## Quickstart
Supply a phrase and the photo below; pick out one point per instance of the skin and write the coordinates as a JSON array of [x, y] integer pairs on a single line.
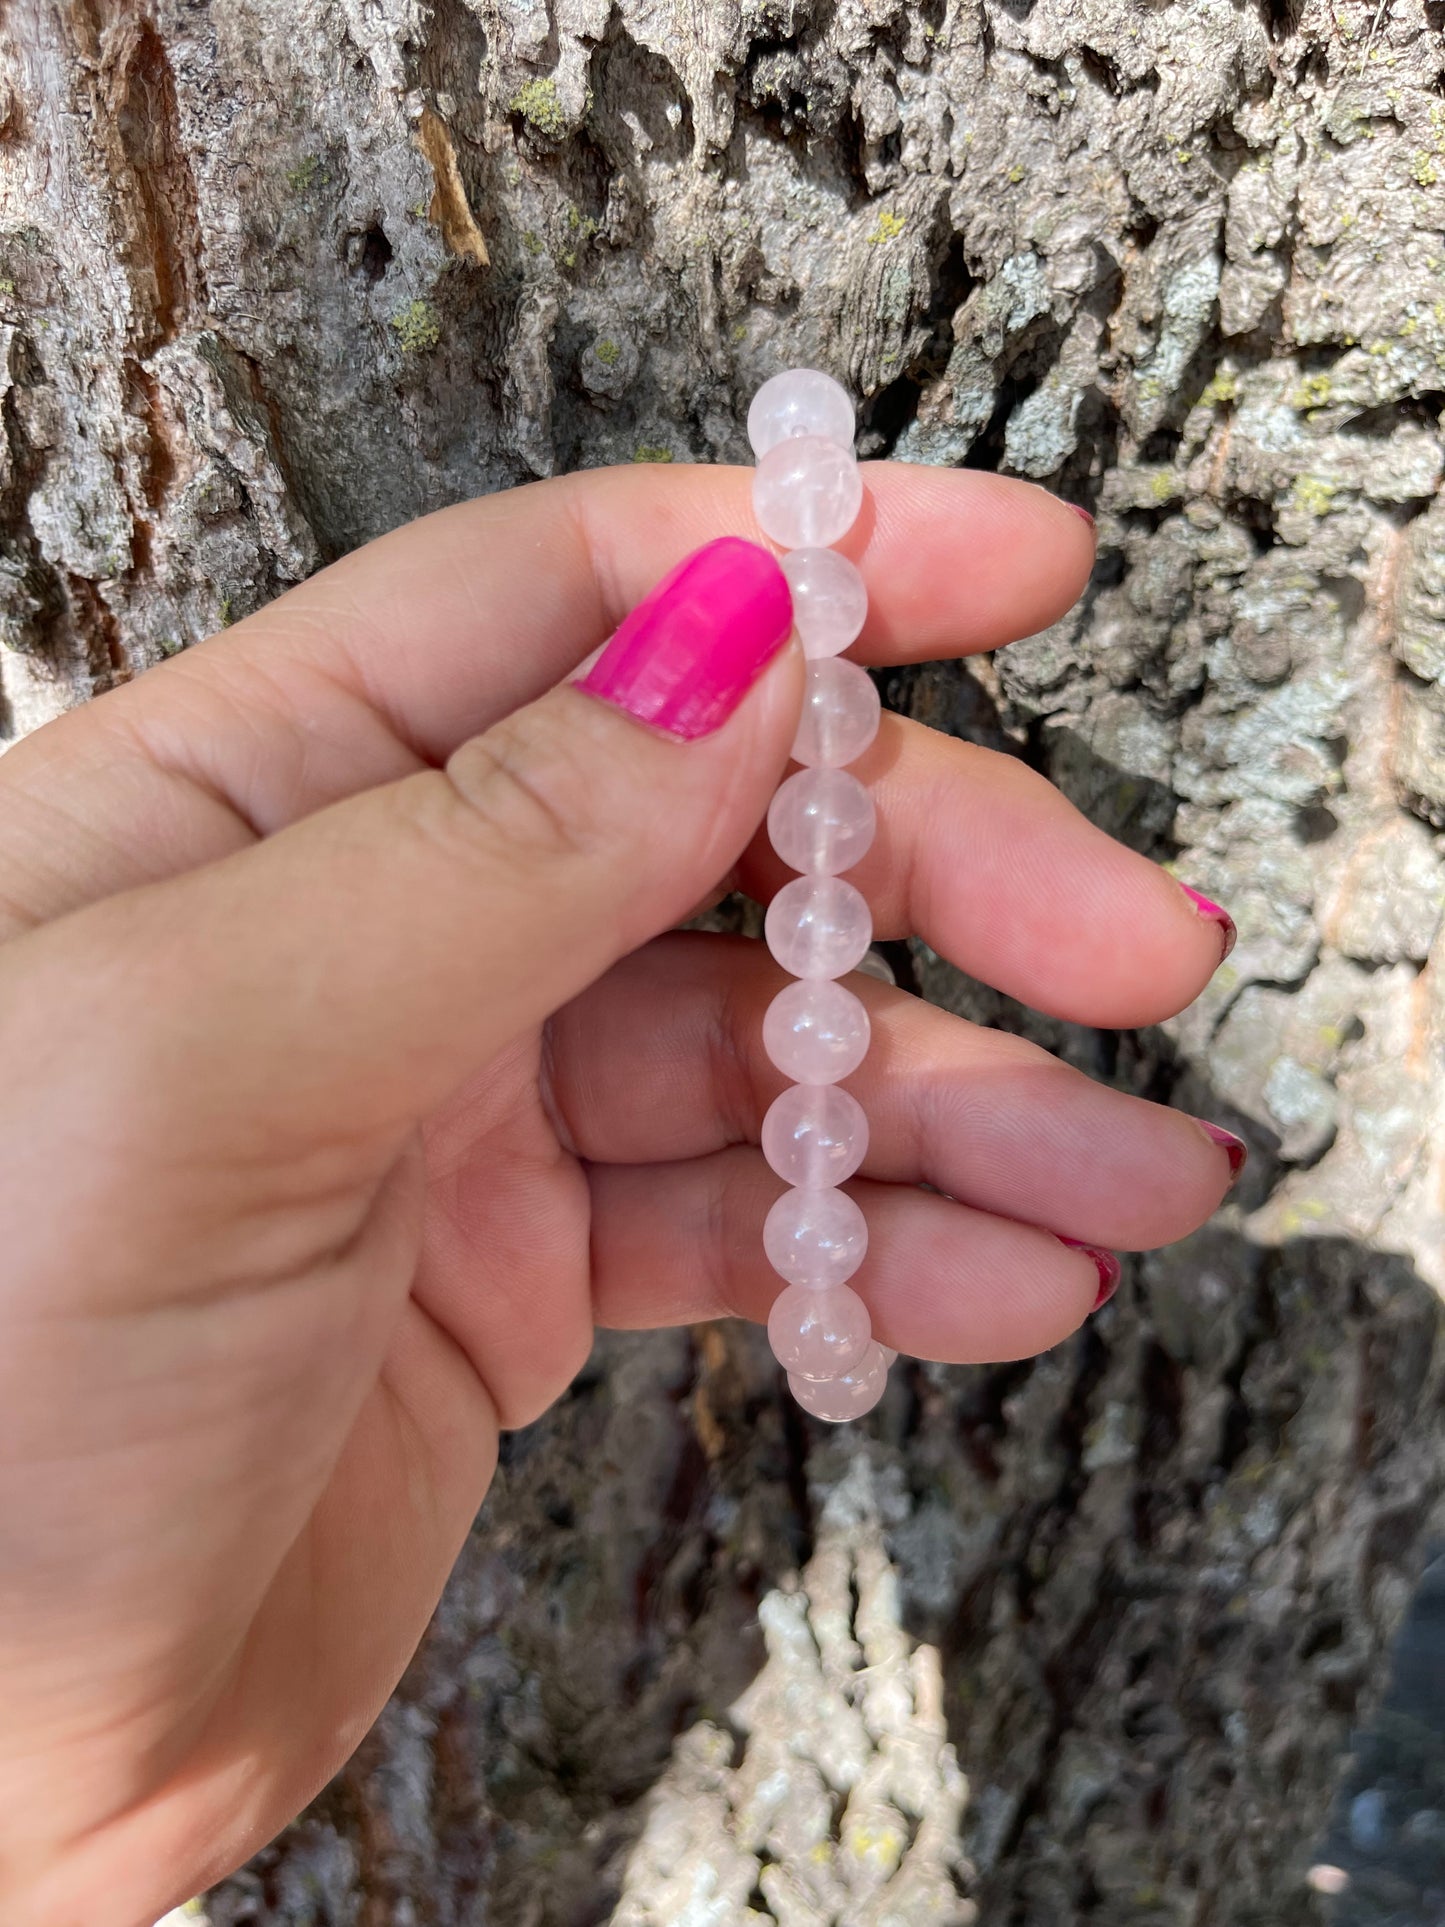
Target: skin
[[353, 1070]]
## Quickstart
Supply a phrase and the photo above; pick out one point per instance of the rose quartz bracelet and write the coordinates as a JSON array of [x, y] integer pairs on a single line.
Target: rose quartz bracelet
[[806, 495]]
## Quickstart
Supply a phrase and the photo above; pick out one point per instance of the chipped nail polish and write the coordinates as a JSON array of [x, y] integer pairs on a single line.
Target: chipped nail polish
[[1105, 1263], [1212, 913], [1234, 1147]]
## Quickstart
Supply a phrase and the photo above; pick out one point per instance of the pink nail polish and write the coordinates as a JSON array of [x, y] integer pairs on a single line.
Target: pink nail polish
[[1234, 1147], [687, 655], [1212, 913], [1105, 1263], [1082, 513]]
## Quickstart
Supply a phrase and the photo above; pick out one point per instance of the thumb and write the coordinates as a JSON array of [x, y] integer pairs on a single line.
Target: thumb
[[348, 972]]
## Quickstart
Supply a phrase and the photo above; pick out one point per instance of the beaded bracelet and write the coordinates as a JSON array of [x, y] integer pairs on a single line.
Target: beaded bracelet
[[806, 495]]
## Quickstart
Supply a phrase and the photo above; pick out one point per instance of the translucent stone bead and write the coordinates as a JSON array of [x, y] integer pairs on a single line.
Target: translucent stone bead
[[843, 1398], [818, 927], [830, 600], [819, 1333], [840, 716], [815, 1237], [822, 821], [800, 401], [815, 1032], [807, 492], [815, 1134]]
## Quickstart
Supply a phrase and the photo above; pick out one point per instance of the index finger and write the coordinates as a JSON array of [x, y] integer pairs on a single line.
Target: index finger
[[459, 618], [388, 660]]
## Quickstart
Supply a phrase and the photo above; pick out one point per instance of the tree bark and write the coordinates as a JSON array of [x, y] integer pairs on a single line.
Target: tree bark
[[276, 276]]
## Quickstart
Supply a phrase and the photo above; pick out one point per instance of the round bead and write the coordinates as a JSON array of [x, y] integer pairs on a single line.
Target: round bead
[[830, 600], [840, 716], [818, 927], [815, 1032], [822, 821], [819, 1333], [815, 1134], [815, 1237], [807, 492], [799, 401], [843, 1398]]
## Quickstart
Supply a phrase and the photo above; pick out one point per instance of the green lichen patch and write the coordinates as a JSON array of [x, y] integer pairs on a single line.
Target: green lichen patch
[[651, 452], [536, 101], [309, 173], [417, 327], [608, 353], [1222, 386], [1313, 392], [890, 226], [1314, 494]]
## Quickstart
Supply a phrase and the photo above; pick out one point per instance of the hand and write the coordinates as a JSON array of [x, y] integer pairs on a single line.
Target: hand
[[346, 1081]]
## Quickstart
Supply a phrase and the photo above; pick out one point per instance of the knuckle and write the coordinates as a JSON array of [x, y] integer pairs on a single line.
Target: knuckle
[[529, 787]]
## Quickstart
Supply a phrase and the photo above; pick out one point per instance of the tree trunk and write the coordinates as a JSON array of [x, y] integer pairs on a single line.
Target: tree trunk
[[276, 275]]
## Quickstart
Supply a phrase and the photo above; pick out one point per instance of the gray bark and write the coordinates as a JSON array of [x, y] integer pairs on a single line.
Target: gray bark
[[275, 277]]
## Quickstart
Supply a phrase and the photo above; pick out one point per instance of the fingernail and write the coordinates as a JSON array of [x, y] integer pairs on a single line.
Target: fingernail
[[1105, 1263], [1082, 513], [1212, 913], [686, 656], [1235, 1147]]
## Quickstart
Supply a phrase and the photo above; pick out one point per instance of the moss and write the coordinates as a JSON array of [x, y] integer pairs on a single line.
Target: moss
[[1313, 494], [651, 452], [533, 242], [417, 327], [608, 353], [536, 101], [224, 617], [889, 227]]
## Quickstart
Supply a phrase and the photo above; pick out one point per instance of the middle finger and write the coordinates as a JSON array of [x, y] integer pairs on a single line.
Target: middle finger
[[663, 1060]]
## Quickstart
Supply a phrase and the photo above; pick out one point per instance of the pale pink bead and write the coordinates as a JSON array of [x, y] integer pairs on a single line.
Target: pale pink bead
[[843, 1398], [800, 401], [816, 1032], [819, 1332], [815, 1237], [815, 1134], [818, 927], [807, 492], [830, 600], [822, 821], [840, 714]]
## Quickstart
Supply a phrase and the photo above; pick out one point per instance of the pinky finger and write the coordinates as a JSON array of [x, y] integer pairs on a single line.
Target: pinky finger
[[676, 1243]]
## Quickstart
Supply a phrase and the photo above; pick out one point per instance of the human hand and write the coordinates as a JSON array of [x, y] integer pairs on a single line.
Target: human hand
[[347, 1080]]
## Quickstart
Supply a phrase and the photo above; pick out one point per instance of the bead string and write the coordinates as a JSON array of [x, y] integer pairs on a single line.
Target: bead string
[[806, 495]]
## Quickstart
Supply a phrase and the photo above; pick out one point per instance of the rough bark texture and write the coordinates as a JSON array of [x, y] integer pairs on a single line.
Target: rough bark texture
[[276, 276]]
